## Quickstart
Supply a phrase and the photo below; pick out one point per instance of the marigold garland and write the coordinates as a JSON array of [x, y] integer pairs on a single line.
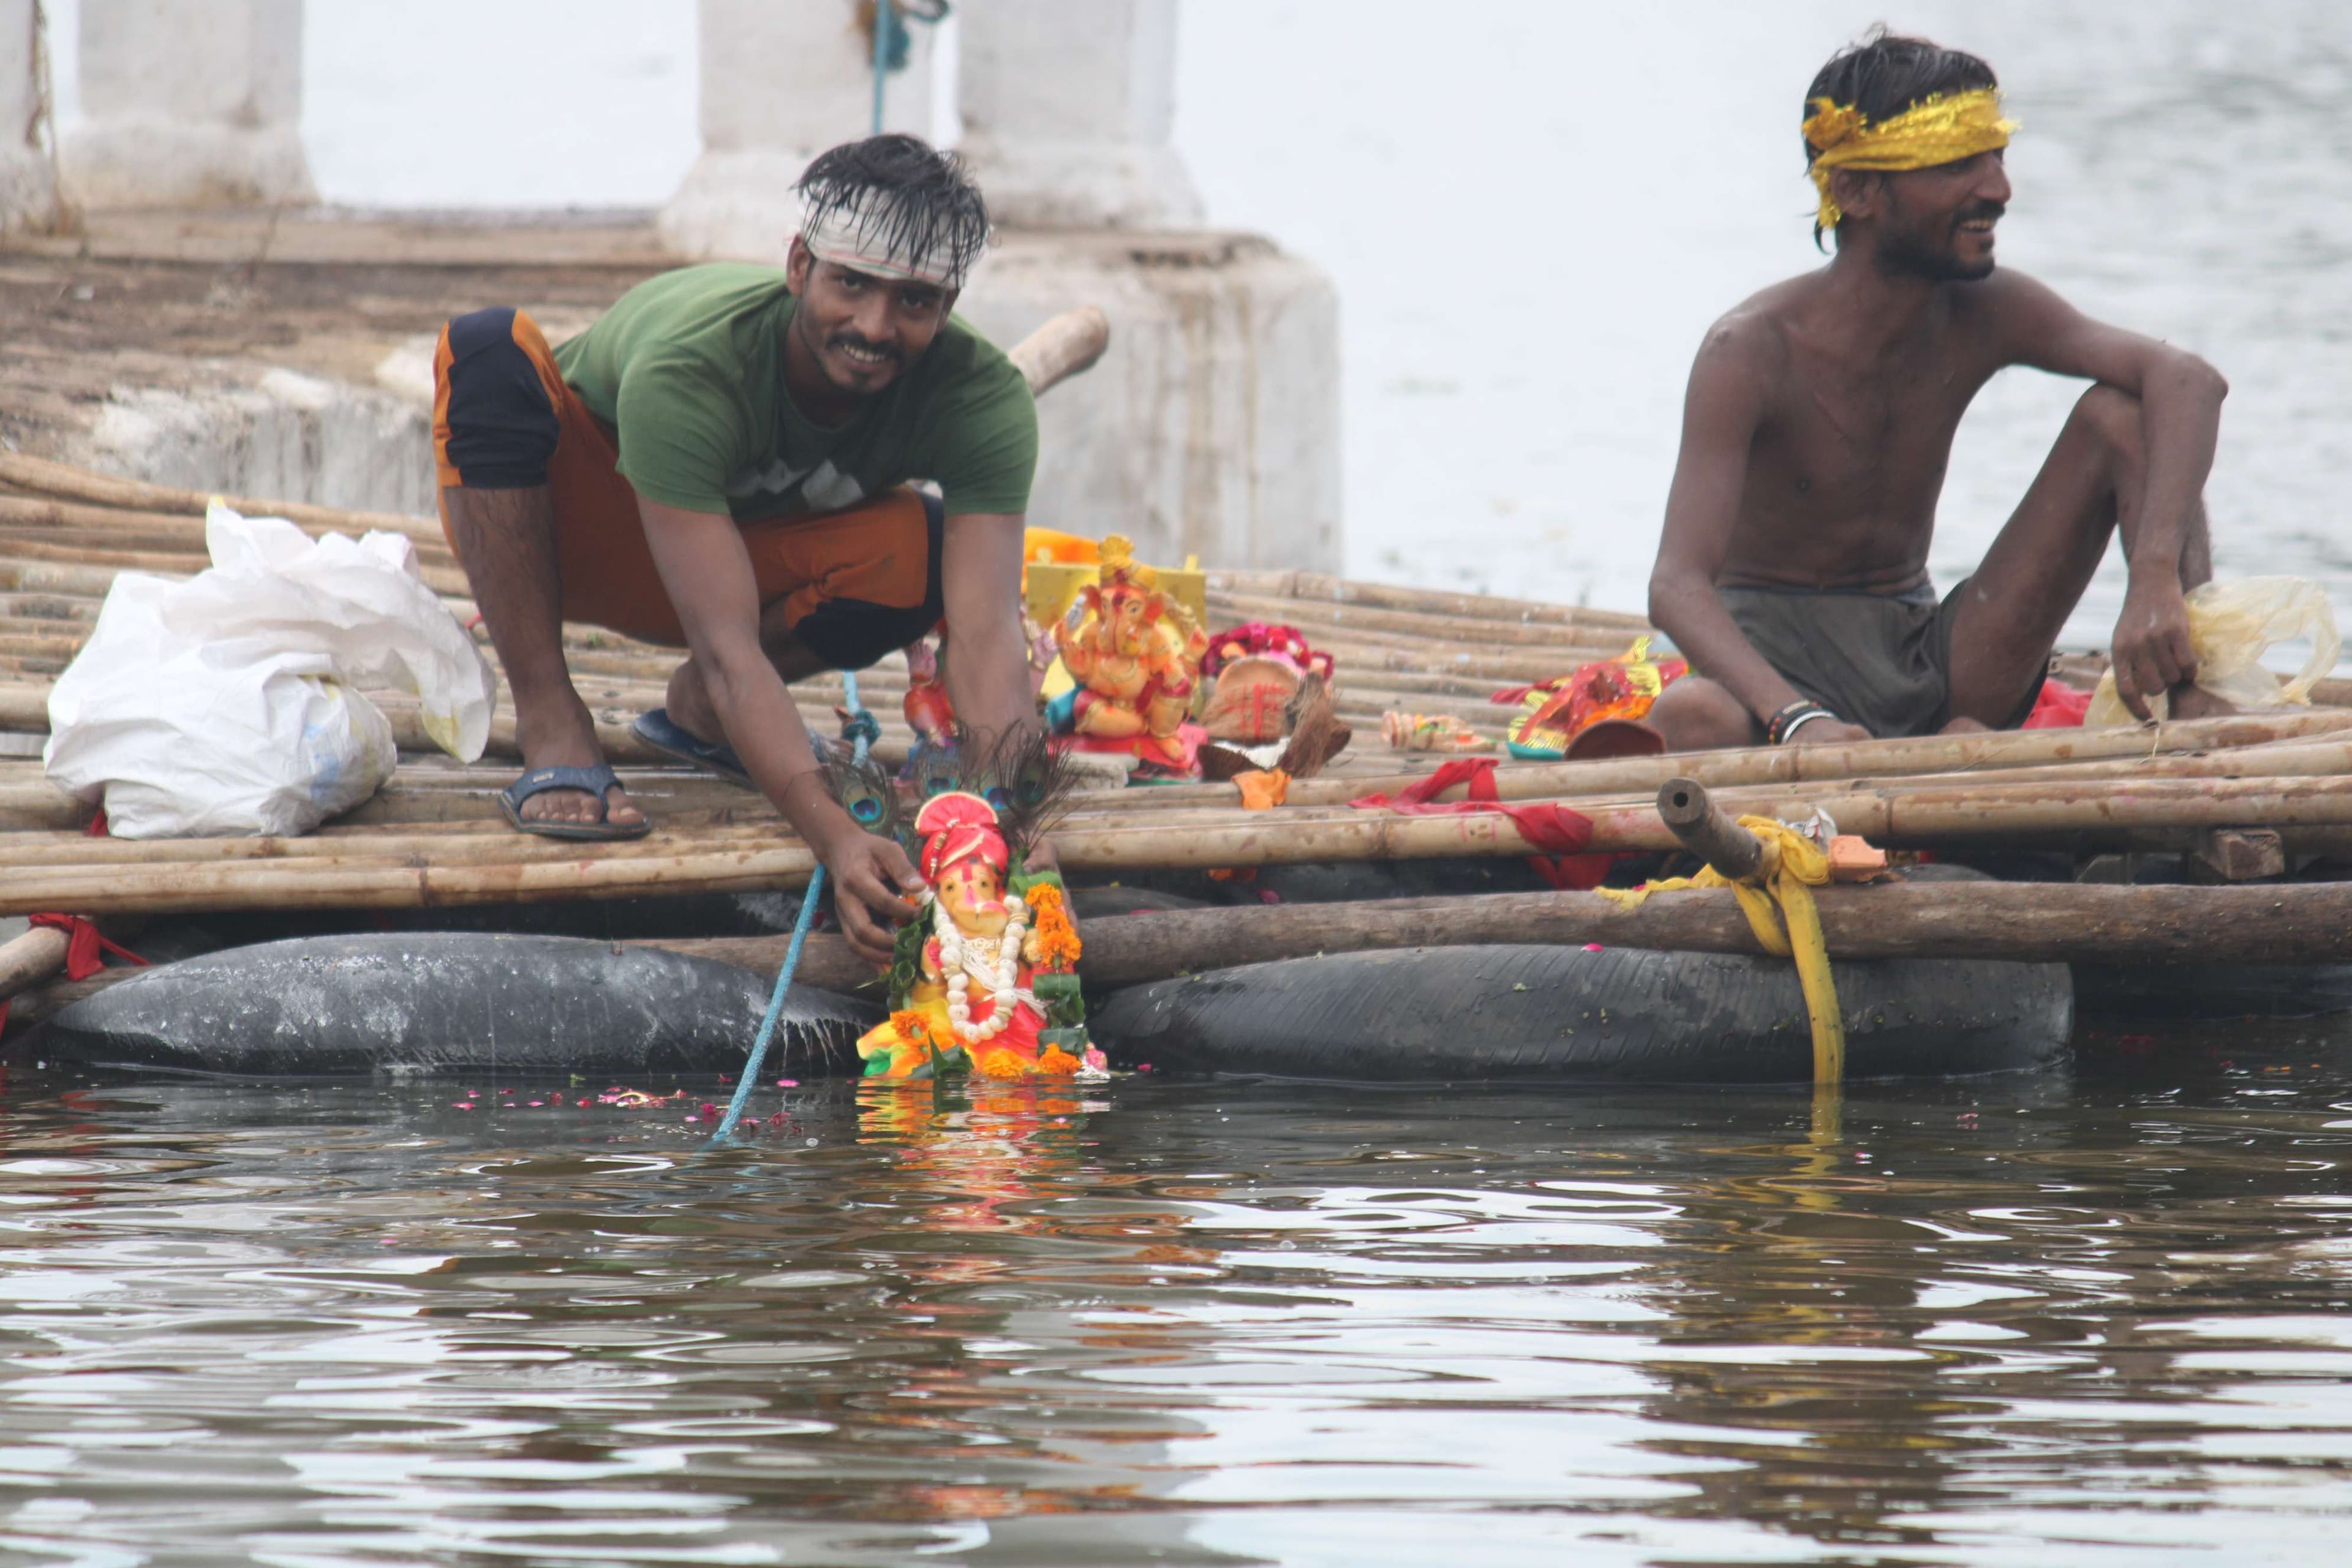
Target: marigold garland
[[912, 1027], [1058, 948]]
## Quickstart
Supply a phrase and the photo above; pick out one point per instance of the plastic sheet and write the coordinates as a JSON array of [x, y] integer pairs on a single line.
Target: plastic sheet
[[225, 705]]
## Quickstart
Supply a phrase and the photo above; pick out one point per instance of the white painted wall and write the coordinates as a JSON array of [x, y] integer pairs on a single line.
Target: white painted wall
[[187, 103]]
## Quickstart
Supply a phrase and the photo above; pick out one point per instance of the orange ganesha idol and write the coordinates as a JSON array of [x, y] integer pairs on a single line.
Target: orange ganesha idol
[[1136, 655], [985, 981]]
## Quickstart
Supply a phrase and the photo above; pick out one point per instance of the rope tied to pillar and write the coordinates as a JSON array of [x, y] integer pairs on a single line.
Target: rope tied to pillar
[[885, 22], [1777, 897]]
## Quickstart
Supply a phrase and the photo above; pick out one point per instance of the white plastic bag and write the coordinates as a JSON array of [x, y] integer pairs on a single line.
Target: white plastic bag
[[224, 705], [2231, 625]]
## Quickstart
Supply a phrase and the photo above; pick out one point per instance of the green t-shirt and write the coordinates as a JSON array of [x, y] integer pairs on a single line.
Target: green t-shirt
[[688, 368]]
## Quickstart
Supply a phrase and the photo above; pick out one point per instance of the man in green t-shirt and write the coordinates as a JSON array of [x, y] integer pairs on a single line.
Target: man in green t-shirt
[[722, 463]]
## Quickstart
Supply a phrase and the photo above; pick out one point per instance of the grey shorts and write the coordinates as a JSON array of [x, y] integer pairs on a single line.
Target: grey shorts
[[1879, 660]]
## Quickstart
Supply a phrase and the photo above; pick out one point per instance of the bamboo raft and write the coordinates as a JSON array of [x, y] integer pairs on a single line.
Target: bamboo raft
[[2243, 797]]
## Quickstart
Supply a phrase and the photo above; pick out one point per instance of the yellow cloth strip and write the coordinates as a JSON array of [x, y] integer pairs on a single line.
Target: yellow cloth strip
[[1939, 130], [1778, 903]]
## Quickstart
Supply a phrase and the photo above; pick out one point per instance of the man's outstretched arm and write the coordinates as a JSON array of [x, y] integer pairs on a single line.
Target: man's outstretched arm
[[707, 571], [1721, 411], [2180, 414]]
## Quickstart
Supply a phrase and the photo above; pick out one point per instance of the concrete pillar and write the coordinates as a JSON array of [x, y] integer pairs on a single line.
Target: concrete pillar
[[189, 103], [1067, 110], [28, 194], [1211, 426], [781, 83]]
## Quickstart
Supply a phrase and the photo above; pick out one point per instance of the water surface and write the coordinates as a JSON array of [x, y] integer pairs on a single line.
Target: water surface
[[2046, 1320]]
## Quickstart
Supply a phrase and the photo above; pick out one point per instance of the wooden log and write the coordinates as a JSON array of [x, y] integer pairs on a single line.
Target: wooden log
[[25, 547], [54, 479], [2040, 923], [1706, 831], [30, 959], [2224, 855], [40, 1003], [2032, 923], [1066, 345], [25, 574], [98, 523]]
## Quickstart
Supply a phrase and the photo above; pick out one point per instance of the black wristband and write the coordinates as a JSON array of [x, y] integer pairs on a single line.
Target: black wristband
[[1778, 728]]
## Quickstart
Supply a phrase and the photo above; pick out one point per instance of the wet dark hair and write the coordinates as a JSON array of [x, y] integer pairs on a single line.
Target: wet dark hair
[[929, 203], [1884, 73]]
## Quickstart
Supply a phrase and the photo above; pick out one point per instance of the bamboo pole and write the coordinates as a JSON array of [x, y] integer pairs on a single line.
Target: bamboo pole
[[48, 478], [170, 529], [1706, 831], [1317, 587], [1791, 765], [326, 883], [1420, 625]]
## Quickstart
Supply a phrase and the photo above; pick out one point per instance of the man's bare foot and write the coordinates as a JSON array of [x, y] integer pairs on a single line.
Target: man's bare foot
[[2190, 701], [575, 747]]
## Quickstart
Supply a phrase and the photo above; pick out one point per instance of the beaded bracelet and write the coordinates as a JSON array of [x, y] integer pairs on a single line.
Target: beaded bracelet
[[1790, 720]]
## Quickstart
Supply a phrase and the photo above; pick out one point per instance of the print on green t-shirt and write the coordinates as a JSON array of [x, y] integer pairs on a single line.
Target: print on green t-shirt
[[688, 367]]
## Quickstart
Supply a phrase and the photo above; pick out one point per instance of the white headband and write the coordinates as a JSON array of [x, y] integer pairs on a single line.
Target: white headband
[[856, 235]]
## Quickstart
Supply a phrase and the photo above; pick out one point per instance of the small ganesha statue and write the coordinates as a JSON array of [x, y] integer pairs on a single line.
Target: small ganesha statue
[[984, 981], [1135, 653]]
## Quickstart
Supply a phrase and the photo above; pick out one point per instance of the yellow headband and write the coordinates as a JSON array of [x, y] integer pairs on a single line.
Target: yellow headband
[[1939, 131]]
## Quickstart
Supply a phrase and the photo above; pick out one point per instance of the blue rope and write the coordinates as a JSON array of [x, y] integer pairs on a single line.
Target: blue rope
[[862, 729], [894, 40], [885, 24]]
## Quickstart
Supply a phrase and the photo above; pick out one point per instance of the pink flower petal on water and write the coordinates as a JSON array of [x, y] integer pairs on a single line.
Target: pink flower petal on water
[[788, 1083]]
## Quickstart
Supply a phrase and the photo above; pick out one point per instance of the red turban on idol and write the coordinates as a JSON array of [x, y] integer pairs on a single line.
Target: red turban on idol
[[957, 827]]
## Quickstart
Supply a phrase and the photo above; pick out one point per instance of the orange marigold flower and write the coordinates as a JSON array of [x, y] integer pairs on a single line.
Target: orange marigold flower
[[912, 1026], [1058, 940], [1057, 1062]]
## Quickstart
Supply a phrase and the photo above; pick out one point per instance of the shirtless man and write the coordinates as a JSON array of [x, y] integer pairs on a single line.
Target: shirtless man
[[1792, 568], [721, 464]]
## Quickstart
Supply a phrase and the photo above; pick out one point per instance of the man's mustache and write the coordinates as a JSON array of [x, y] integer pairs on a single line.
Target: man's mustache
[[1988, 212]]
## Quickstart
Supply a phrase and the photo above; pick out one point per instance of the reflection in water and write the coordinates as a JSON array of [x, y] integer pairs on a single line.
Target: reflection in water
[[2039, 1321]]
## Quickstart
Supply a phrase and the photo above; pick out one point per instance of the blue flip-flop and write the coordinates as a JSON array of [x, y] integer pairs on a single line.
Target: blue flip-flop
[[593, 781], [656, 729]]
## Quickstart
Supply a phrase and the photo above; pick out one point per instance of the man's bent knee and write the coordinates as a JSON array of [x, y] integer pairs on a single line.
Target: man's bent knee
[[1694, 714]]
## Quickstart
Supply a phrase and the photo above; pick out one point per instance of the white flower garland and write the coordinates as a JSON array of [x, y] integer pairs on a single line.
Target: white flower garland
[[994, 964]]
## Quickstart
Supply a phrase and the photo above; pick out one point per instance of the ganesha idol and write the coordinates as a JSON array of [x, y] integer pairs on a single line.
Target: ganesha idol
[[1136, 655], [984, 976]]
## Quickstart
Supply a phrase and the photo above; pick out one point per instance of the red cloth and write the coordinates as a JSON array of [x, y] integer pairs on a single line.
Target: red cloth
[[84, 945], [2060, 706], [1552, 828]]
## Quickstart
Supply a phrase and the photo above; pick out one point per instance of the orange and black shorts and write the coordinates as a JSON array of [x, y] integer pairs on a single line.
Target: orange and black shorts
[[854, 584]]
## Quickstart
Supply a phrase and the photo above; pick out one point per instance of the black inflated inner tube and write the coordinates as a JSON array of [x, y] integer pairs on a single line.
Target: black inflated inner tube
[[1619, 1016], [455, 1002]]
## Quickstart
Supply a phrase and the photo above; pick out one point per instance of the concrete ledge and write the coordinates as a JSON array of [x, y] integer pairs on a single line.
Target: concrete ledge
[[291, 357]]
